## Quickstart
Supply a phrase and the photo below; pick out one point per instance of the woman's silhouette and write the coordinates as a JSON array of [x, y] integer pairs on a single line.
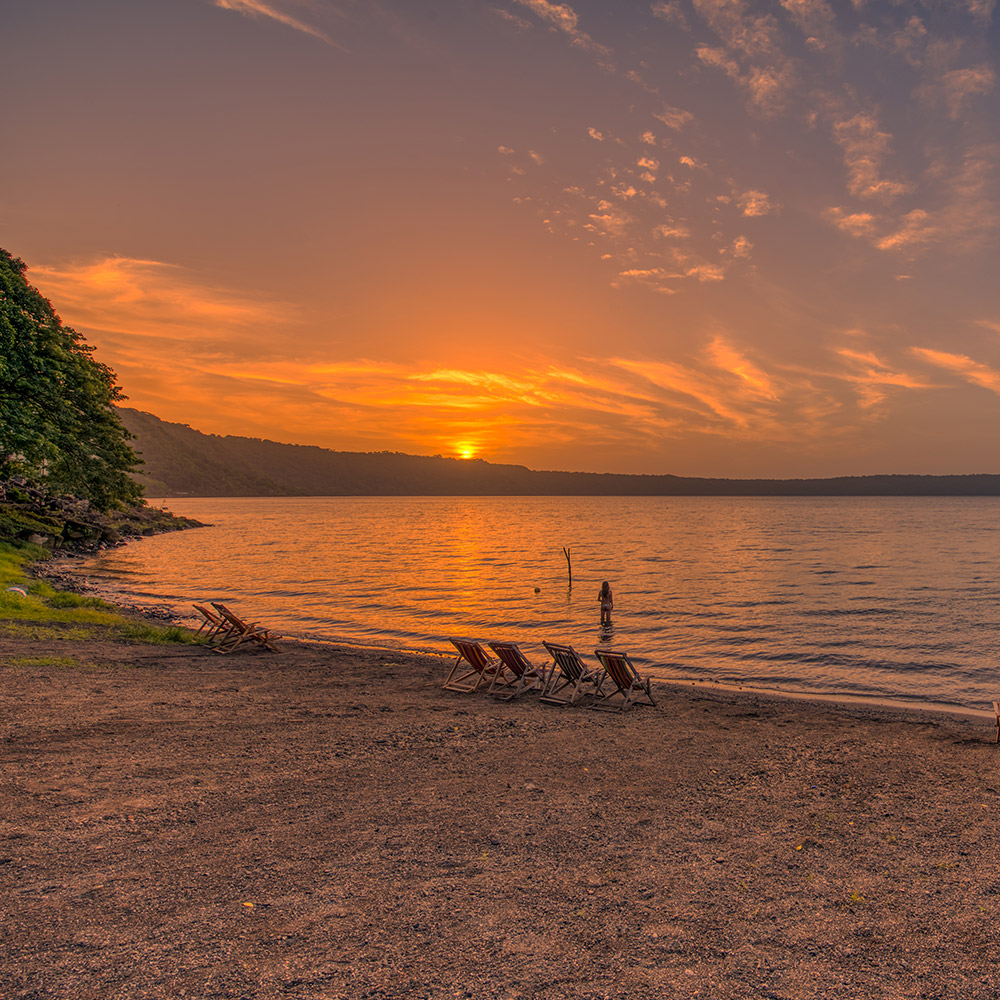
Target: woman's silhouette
[[607, 600]]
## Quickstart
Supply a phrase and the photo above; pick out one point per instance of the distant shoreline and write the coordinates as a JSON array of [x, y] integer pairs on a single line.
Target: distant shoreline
[[181, 461]]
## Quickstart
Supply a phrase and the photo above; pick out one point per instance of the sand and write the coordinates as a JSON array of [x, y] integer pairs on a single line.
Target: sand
[[327, 822]]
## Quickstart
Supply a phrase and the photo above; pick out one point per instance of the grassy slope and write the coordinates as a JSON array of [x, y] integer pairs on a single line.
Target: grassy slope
[[44, 613]]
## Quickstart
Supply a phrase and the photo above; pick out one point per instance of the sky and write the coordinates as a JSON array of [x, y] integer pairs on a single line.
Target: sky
[[702, 237]]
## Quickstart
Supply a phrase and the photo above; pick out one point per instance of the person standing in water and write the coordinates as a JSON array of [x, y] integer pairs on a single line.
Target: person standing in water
[[607, 600]]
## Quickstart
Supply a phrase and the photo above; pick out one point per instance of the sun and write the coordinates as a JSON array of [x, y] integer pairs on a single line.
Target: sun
[[466, 449]]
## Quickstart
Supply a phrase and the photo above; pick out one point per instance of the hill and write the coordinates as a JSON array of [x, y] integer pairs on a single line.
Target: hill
[[180, 461]]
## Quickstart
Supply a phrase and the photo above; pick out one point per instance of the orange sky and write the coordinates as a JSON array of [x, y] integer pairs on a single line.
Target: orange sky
[[702, 237]]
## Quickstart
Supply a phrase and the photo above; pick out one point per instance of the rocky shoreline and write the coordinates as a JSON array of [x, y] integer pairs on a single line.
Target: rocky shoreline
[[68, 524]]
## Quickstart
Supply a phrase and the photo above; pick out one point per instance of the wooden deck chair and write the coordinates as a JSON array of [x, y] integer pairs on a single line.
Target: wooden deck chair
[[241, 631], [570, 678], [473, 666], [629, 688], [519, 674], [212, 621]]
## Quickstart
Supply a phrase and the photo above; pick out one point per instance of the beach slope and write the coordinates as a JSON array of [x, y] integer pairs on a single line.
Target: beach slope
[[326, 822]]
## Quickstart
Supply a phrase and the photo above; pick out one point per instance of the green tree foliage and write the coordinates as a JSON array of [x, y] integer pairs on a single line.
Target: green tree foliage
[[58, 424]]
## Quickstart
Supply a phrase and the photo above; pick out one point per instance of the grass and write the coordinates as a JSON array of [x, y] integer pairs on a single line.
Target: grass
[[59, 662], [43, 612]]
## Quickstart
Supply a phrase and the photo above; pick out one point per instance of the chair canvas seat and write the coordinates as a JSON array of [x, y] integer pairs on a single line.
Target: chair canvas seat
[[473, 666], [629, 688], [571, 678], [518, 675]]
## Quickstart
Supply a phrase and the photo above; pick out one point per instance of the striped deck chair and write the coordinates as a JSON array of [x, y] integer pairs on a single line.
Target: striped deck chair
[[241, 631], [518, 676], [570, 678], [473, 666], [629, 688]]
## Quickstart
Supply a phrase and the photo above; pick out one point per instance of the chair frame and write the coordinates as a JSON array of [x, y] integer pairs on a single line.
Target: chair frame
[[524, 675], [628, 685], [570, 672], [240, 631], [212, 621], [478, 666]]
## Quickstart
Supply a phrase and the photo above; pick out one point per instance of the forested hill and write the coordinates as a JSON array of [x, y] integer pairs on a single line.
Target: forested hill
[[184, 462]]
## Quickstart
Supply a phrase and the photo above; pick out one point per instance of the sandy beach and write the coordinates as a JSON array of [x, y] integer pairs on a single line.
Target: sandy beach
[[327, 822]]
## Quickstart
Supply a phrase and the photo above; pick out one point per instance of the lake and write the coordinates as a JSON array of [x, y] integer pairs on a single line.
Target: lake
[[893, 598]]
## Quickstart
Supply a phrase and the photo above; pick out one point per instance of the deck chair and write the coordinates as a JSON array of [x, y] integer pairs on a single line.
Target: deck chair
[[473, 666], [629, 688], [570, 678], [518, 675], [212, 621], [241, 631]]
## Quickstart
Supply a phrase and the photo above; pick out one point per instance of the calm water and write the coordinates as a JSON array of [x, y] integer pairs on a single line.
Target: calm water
[[885, 597]]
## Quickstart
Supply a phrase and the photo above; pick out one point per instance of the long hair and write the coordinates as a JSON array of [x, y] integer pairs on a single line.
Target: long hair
[[605, 590]]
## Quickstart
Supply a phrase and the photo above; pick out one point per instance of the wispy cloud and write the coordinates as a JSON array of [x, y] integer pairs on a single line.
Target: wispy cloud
[[270, 11], [974, 372], [874, 379], [142, 298], [562, 17]]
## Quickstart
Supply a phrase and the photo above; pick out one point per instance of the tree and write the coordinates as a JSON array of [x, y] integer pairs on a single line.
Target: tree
[[58, 424]]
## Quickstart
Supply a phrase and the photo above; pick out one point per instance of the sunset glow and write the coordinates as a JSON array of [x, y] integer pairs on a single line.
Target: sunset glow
[[702, 237]]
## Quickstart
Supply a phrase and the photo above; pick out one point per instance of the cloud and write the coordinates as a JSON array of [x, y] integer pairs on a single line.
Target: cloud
[[959, 86], [873, 378], [751, 53], [980, 10], [563, 18], [854, 223], [916, 230], [866, 147], [754, 380], [964, 217], [910, 41], [148, 298], [705, 272], [816, 20], [753, 203], [756, 36], [671, 13], [238, 379], [740, 248], [260, 9], [717, 58], [673, 118], [609, 220], [512, 18], [973, 372]]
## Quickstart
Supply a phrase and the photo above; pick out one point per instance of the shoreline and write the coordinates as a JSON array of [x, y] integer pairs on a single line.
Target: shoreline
[[62, 574]]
